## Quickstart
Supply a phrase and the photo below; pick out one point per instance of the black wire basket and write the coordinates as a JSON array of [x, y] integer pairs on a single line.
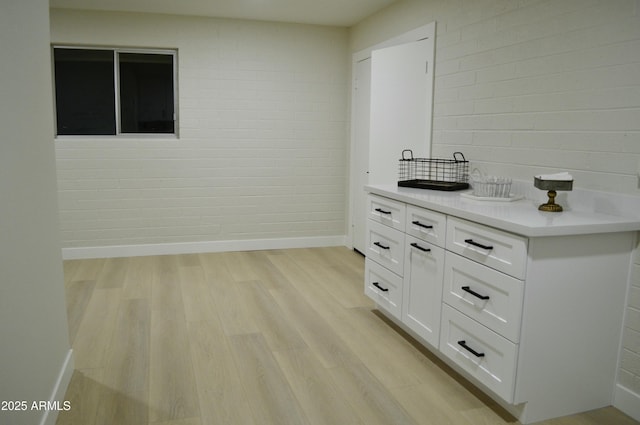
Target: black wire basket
[[433, 173]]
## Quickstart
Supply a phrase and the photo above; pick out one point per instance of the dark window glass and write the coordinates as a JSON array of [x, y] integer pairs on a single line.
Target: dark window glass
[[146, 93], [85, 97]]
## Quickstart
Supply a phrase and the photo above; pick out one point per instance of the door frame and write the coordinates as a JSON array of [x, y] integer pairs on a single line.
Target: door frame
[[420, 33]]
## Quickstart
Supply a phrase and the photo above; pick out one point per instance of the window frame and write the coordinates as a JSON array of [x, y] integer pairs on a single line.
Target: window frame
[[116, 87]]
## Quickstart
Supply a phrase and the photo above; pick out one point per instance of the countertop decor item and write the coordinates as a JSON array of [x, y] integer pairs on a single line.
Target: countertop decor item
[[433, 173], [490, 186], [552, 183], [511, 198]]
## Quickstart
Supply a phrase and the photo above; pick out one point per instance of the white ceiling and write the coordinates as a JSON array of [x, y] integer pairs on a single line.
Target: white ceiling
[[322, 12]]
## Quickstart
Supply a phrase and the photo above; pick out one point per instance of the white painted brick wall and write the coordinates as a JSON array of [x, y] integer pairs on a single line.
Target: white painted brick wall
[[524, 87], [629, 374], [262, 146], [565, 74]]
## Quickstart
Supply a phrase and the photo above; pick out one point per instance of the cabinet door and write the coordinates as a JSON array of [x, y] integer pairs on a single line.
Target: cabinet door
[[422, 289]]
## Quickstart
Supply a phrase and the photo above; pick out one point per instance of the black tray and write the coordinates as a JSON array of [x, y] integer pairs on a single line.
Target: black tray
[[433, 185]]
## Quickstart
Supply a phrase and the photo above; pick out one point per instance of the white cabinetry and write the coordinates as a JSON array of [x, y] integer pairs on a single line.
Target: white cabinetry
[[386, 246], [535, 321], [384, 265], [384, 287], [487, 296], [491, 247], [422, 289], [483, 294], [427, 225], [404, 272], [423, 272], [387, 211]]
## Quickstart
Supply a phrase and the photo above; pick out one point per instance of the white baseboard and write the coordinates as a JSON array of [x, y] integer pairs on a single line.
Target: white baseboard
[[200, 247], [627, 401], [59, 390]]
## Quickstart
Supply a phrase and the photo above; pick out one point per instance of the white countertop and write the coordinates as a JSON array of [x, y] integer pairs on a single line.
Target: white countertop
[[522, 216]]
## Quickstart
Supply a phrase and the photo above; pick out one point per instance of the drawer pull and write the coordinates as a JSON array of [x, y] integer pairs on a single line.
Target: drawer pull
[[377, 285], [378, 244], [426, 226], [474, 293], [464, 345], [415, 245], [479, 245], [381, 211]]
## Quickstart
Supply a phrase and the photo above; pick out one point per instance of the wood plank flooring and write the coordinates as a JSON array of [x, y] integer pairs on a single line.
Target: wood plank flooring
[[255, 338]]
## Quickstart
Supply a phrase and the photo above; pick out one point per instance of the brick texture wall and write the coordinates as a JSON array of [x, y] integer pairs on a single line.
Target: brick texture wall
[[524, 87], [629, 374], [262, 147]]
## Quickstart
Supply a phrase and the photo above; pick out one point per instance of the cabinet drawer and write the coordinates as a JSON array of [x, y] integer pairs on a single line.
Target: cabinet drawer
[[492, 247], [385, 246], [387, 211], [485, 355], [383, 287], [492, 298], [427, 225]]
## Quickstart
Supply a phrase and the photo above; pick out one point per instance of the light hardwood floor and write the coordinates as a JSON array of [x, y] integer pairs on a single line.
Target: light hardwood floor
[[255, 338]]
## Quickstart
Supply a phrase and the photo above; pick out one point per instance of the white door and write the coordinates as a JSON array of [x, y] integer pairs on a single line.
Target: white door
[[361, 124], [361, 99], [401, 105]]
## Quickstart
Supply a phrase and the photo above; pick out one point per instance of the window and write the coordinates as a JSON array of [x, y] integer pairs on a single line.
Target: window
[[114, 91]]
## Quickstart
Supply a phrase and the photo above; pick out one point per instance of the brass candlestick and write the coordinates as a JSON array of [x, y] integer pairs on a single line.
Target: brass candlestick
[[551, 186]]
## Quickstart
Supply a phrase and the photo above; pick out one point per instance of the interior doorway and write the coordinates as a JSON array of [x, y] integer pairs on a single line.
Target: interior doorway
[[397, 76]]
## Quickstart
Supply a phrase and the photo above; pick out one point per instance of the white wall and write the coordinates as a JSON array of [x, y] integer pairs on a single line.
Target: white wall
[[262, 151], [530, 86], [629, 373], [34, 342]]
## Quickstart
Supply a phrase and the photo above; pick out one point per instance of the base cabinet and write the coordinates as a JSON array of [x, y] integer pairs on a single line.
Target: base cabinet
[[482, 353], [492, 298], [384, 287], [534, 322], [422, 289]]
